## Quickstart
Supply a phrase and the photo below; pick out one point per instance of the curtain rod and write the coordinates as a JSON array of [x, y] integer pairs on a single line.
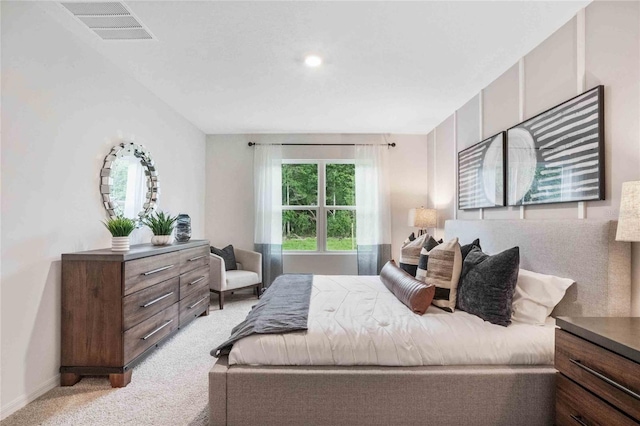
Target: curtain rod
[[390, 145]]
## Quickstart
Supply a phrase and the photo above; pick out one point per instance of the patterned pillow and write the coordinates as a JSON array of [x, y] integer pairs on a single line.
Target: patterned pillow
[[444, 265], [410, 253], [429, 245], [410, 291]]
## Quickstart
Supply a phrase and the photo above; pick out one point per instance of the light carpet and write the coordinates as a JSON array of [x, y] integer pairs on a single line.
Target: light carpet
[[170, 387]]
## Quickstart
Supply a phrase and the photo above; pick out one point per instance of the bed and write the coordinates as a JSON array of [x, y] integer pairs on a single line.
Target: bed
[[384, 390]]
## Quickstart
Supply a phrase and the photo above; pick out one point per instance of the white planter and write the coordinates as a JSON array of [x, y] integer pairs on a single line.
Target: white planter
[[161, 240], [119, 243]]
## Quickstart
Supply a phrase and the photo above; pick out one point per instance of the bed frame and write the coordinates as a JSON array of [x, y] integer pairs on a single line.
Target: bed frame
[[584, 250]]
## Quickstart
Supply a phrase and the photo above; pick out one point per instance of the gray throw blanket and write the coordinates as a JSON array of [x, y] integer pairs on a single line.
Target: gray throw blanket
[[283, 308]]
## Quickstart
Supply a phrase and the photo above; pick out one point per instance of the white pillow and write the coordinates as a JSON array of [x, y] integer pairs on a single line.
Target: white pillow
[[536, 295]]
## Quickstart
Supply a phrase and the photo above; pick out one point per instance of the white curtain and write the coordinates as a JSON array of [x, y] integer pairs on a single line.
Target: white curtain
[[267, 161], [373, 216]]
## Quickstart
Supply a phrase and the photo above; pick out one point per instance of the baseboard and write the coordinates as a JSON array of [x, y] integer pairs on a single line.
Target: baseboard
[[23, 400]]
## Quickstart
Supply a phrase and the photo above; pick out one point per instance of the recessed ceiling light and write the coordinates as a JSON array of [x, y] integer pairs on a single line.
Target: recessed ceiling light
[[313, 61]]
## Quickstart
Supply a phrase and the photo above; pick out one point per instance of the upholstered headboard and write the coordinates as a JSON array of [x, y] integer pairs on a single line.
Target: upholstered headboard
[[584, 250]]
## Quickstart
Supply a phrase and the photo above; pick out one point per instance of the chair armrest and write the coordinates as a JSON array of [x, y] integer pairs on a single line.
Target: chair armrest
[[251, 261], [217, 274]]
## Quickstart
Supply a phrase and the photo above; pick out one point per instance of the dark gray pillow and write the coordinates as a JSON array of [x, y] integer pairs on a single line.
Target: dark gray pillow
[[487, 284], [228, 255], [466, 249]]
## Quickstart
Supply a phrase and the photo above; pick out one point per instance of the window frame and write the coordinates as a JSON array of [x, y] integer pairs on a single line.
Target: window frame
[[321, 208]]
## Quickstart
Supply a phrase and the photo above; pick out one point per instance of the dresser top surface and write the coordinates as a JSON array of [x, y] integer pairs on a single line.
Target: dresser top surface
[[136, 252], [620, 335]]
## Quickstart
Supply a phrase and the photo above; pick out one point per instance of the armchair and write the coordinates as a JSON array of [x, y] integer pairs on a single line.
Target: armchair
[[248, 274]]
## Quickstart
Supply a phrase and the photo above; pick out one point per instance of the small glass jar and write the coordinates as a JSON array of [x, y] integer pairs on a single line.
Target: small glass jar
[[183, 228]]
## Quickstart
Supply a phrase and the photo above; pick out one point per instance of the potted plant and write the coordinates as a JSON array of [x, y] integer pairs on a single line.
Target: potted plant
[[161, 225], [120, 228]]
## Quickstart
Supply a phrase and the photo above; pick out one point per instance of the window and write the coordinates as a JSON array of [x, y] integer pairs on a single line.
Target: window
[[318, 206]]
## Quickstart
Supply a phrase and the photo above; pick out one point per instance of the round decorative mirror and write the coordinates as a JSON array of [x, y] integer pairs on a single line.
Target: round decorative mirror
[[129, 182]]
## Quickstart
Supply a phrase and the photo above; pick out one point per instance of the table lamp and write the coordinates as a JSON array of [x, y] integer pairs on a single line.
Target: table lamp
[[422, 218], [629, 219]]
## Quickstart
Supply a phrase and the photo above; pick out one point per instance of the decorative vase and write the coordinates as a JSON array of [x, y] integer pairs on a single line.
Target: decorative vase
[[161, 240], [119, 243], [183, 228]]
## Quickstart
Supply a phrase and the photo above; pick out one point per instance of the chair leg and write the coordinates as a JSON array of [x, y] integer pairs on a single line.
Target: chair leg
[[221, 300]]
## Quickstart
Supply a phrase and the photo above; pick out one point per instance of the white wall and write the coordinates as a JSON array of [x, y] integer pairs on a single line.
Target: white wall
[[551, 74], [229, 200], [63, 107]]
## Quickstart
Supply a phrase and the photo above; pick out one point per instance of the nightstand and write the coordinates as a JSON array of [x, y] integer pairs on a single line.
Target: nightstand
[[598, 363]]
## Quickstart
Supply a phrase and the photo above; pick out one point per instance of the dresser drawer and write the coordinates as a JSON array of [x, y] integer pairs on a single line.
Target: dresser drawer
[[194, 305], [194, 258], [610, 376], [193, 281], [145, 303], [143, 273], [149, 332], [576, 406]]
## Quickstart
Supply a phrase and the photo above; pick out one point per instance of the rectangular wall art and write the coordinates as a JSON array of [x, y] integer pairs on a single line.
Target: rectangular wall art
[[558, 155], [481, 174]]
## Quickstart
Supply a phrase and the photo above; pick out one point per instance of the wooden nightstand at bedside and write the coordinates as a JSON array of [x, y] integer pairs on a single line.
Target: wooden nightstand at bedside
[[598, 360]]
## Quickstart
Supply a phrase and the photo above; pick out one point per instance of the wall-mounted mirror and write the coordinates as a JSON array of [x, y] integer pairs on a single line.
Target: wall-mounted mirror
[[129, 181]]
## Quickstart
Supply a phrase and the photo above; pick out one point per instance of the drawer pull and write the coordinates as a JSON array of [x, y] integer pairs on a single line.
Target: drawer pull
[[198, 280], [157, 329], [578, 419], [198, 302], [156, 300], [606, 379], [193, 259], [155, 271]]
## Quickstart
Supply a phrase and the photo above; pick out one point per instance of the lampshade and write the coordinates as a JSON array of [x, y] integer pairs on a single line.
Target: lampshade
[[629, 220], [422, 218]]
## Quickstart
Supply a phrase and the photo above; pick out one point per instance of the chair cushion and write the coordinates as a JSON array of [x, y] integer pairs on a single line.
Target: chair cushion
[[239, 278]]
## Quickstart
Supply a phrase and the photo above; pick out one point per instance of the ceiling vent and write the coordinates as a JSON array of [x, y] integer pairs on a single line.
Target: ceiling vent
[[109, 20]]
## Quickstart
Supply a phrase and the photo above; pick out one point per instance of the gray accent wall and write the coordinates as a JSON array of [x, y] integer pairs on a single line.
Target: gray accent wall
[[499, 106], [468, 123], [550, 76], [550, 71], [446, 159]]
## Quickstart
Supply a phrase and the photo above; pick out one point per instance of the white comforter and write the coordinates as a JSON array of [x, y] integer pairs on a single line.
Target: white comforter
[[355, 320]]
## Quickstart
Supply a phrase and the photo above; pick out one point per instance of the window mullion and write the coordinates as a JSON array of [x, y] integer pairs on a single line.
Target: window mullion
[[321, 229], [297, 207]]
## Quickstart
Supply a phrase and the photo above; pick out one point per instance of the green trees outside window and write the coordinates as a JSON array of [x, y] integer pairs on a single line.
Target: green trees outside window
[[318, 206]]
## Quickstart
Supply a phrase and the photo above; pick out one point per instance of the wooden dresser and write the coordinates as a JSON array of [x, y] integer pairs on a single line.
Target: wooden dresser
[[118, 307], [598, 382]]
